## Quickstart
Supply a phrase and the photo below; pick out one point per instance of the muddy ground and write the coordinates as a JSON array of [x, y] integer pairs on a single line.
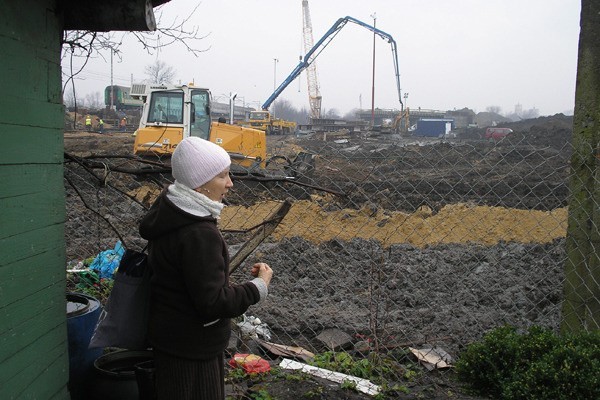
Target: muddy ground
[[413, 241]]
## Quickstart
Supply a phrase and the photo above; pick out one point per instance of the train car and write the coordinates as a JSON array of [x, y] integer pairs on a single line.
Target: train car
[[121, 98]]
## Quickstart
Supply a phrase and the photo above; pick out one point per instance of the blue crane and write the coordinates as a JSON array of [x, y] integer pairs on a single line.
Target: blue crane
[[314, 52]]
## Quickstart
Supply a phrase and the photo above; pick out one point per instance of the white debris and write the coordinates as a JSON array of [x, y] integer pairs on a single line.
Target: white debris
[[362, 385], [254, 327]]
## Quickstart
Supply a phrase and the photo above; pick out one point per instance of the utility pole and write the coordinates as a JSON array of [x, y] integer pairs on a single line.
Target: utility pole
[[275, 61], [374, 16], [112, 88]]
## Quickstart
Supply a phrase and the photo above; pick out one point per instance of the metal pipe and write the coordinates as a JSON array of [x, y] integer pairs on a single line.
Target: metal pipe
[[373, 86]]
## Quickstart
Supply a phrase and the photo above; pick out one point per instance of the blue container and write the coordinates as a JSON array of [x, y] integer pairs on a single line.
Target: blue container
[[82, 316]]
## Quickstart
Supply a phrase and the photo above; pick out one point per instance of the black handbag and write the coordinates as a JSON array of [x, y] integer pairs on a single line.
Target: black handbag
[[123, 322]]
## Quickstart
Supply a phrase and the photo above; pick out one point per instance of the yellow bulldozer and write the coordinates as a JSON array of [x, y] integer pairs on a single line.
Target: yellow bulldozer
[[264, 121], [171, 113]]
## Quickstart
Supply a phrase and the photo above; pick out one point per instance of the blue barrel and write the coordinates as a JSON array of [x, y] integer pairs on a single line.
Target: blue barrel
[[82, 316]]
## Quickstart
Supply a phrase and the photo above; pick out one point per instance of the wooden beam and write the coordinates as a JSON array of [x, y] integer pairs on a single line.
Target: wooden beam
[[261, 234]]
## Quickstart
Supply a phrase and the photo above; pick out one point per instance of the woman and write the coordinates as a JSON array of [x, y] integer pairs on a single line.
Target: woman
[[192, 300]]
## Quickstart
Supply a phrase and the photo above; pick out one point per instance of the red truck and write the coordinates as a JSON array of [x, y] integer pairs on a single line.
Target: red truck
[[496, 134]]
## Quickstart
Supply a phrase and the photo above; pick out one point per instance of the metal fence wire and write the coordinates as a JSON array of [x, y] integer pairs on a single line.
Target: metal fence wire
[[389, 243]]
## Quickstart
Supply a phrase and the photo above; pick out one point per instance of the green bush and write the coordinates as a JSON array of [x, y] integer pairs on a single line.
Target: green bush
[[534, 365]]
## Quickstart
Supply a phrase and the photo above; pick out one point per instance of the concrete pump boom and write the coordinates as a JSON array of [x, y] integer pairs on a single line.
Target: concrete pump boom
[[313, 53]]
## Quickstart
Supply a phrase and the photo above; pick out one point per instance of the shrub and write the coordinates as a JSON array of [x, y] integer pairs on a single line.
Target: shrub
[[535, 365]]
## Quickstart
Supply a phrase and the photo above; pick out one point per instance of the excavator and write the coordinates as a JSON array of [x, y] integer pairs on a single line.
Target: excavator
[[171, 113]]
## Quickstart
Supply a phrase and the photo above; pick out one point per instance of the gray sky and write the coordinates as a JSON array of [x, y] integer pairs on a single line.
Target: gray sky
[[451, 53]]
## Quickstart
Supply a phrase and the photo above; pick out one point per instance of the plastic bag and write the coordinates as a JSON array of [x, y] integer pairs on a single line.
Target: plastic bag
[[254, 327], [250, 363], [107, 261]]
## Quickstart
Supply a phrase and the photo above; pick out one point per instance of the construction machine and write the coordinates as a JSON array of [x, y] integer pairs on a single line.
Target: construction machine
[[314, 52], [171, 113], [398, 125], [264, 121]]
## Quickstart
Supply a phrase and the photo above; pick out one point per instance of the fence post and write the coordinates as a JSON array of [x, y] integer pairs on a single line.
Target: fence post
[[581, 306]]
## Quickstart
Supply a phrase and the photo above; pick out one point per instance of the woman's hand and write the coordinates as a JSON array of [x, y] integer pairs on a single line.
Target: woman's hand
[[262, 270]]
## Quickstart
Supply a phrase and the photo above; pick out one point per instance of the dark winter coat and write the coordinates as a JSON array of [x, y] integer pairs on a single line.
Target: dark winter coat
[[190, 283]]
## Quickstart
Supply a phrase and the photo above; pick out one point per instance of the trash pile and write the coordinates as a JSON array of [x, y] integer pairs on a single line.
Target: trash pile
[[94, 276]]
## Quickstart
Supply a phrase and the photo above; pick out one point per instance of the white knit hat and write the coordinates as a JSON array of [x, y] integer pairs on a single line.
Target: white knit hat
[[196, 161]]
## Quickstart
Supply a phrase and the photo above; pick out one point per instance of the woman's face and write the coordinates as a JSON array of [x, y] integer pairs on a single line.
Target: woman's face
[[217, 187]]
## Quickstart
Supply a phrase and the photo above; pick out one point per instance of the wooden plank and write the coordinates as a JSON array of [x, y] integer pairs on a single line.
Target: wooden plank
[[36, 59], [47, 241], [62, 394], [19, 180], [51, 382], [33, 210], [14, 112], [29, 276], [44, 362], [31, 145], [27, 213], [23, 321]]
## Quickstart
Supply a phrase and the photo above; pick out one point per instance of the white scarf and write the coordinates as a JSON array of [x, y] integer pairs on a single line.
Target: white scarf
[[193, 202]]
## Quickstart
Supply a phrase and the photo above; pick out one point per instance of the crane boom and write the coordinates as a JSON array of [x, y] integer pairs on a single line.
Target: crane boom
[[314, 52], [314, 97]]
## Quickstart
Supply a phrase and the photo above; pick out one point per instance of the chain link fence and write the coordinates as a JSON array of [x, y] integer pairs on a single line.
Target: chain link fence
[[389, 242]]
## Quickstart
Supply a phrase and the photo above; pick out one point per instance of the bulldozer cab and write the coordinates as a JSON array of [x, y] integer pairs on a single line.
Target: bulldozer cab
[[169, 115], [259, 115]]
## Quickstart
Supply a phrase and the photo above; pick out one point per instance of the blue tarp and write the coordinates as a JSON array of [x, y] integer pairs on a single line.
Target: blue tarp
[[107, 261]]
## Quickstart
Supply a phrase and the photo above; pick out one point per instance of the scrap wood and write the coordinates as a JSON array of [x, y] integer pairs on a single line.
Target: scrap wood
[[261, 234], [362, 385], [286, 351], [432, 358]]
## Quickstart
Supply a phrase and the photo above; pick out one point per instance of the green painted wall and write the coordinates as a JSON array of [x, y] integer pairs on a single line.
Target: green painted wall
[[34, 362]]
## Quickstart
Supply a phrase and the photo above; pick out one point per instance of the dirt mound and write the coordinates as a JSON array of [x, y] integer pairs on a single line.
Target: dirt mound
[[456, 223], [555, 131]]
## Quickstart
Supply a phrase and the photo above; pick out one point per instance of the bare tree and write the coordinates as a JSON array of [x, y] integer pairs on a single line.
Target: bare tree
[[494, 109], [283, 108], [331, 113], [69, 99], [351, 115], [94, 100], [160, 72], [77, 44], [531, 113]]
